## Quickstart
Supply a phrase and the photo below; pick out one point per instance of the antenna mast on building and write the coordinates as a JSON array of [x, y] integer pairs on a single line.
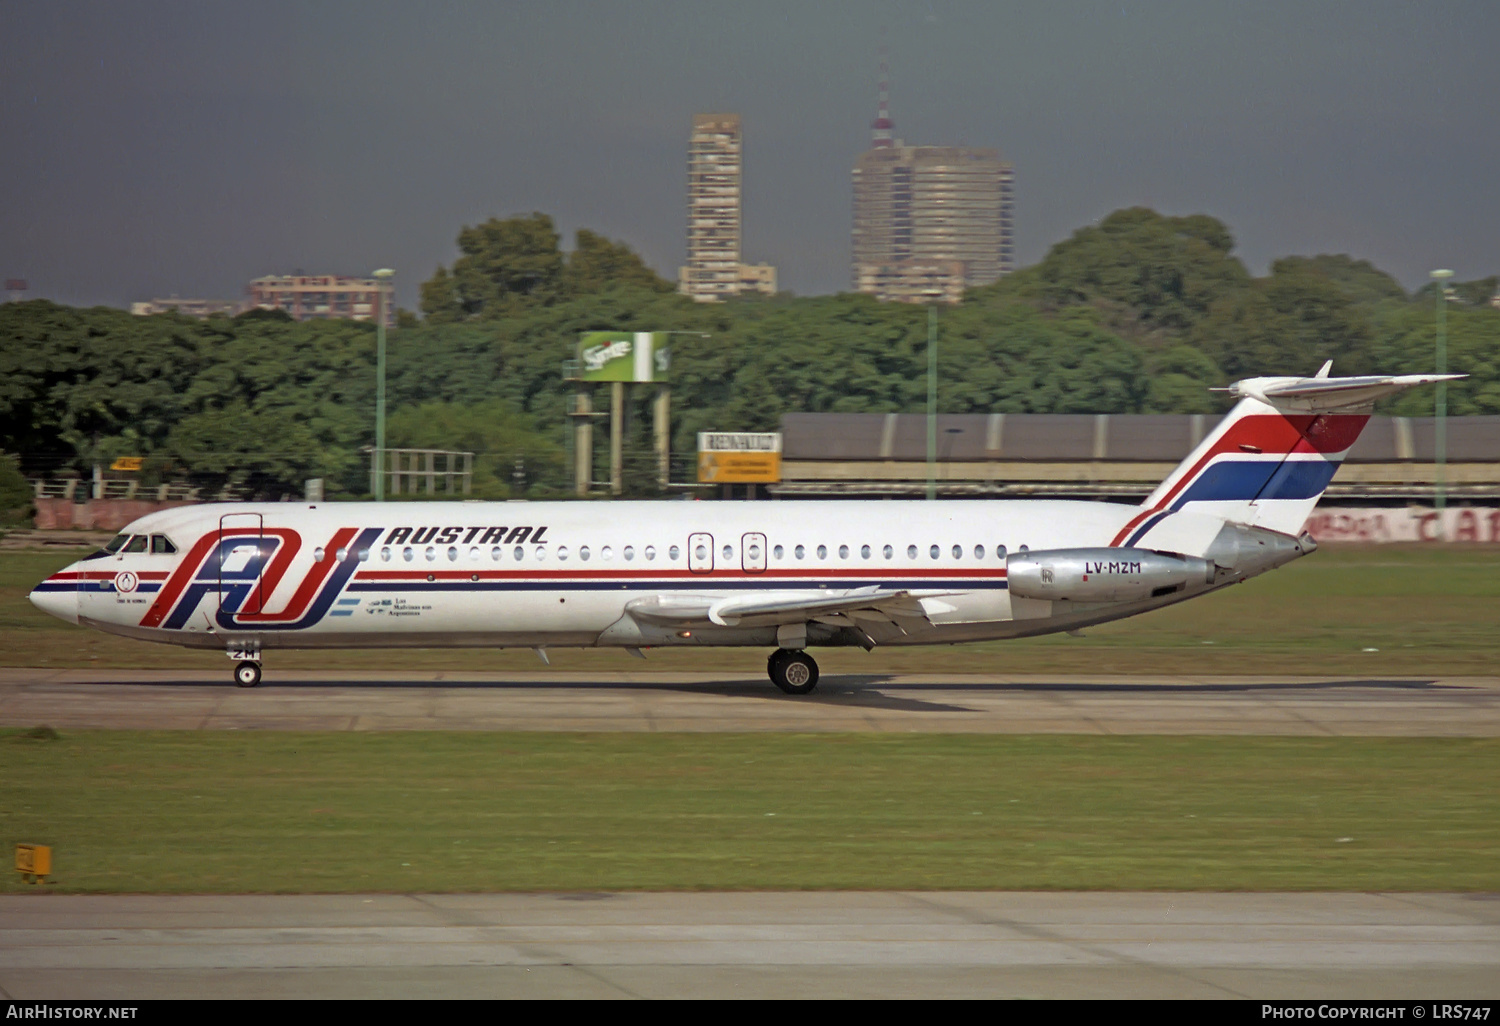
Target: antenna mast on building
[[882, 125]]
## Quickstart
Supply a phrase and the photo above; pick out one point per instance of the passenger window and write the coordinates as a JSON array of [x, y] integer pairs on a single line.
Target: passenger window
[[496, 553], [385, 553], [864, 552], [474, 553], [799, 552], [628, 552], [999, 551], [431, 553], [342, 555], [887, 552], [137, 543], [453, 553], [1025, 548], [364, 555], [729, 552], [541, 552], [911, 552], [317, 554], [606, 553], [822, 551], [519, 553], [673, 552], [161, 545], [650, 552], [979, 552], [934, 552], [778, 551], [406, 554], [958, 552], [562, 552], [843, 552], [583, 553]]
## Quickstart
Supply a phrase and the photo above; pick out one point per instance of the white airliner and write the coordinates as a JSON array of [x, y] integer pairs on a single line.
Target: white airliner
[[250, 578]]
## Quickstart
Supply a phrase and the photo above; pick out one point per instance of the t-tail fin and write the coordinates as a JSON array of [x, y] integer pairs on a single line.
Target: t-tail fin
[[1268, 462]]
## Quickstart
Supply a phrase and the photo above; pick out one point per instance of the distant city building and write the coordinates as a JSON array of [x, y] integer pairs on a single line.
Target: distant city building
[[199, 308], [323, 296], [713, 270], [919, 210]]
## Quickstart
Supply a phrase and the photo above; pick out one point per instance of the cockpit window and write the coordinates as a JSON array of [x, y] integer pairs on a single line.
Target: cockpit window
[[137, 543], [114, 546], [161, 545]]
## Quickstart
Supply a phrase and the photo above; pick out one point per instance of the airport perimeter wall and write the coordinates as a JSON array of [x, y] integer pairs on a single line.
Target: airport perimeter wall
[[1474, 524], [94, 514]]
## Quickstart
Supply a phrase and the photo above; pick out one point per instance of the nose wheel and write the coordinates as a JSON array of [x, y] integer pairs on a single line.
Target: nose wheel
[[247, 673], [793, 671]]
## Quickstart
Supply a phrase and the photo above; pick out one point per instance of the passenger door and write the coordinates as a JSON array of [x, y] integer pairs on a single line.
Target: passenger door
[[241, 557]]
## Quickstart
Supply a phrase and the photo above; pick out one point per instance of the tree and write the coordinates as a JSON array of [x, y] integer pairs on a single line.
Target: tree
[[504, 265], [597, 263], [1148, 274]]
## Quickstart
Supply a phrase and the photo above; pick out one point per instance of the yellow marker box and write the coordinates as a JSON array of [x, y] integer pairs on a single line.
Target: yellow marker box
[[33, 860]]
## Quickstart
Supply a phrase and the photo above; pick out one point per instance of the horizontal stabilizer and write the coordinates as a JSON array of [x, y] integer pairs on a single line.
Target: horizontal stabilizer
[[1323, 394]]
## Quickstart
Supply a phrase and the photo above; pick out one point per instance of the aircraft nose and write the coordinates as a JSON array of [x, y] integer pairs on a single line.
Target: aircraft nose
[[60, 600]]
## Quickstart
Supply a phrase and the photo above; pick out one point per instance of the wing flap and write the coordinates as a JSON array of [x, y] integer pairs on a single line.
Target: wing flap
[[782, 607]]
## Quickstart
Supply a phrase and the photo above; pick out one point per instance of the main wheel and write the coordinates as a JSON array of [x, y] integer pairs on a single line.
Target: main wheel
[[793, 671], [247, 674]]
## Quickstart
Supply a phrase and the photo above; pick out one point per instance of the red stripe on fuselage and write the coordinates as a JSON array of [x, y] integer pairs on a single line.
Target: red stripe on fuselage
[[374, 576]]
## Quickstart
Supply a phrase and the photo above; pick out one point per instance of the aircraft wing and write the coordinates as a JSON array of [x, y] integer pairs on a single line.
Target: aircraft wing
[[838, 607]]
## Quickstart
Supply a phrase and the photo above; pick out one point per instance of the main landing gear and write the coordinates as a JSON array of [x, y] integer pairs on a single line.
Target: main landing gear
[[247, 673], [792, 670]]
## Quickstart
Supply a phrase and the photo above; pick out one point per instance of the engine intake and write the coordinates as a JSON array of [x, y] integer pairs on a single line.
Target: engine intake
[[1104, 575]]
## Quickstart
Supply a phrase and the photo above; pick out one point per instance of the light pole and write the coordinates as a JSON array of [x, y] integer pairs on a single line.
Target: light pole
[[382, 276], [1440, 433], [931, 403]]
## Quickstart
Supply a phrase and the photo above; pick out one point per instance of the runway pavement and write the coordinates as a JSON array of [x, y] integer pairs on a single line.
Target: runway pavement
[[647, 701], [1439, 947]]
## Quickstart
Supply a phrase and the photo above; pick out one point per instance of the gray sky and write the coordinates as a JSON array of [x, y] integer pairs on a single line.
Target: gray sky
[[152, 148]]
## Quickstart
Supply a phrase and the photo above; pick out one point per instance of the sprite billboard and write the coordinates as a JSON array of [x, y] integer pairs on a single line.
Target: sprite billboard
[[623, 356]]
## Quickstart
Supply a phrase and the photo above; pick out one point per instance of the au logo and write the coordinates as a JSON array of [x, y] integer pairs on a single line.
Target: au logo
[[125, 582]]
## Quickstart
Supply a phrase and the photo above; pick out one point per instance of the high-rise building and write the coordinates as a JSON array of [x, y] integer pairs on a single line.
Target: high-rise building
[[713, 270], [929, 221]]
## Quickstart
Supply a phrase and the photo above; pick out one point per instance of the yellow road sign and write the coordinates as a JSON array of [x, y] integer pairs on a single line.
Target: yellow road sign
[[739, 467], [127, 463]]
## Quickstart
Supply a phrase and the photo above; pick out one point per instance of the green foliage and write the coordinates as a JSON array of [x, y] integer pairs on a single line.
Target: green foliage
[[504, 443], [15, 492], [1147, 273], [1139, 313], [510, 265]]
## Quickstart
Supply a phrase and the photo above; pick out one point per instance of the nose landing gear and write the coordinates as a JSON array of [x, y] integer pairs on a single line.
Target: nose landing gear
[[792, 670], [246, 656]]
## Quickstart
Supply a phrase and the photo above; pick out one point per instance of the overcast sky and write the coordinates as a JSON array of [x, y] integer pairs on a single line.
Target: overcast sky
[[151, 148]]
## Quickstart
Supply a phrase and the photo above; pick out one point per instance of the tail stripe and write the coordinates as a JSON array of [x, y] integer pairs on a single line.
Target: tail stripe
[[1276, 436]]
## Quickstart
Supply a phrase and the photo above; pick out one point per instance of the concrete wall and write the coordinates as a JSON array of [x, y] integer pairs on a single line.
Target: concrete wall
[[93, 514]]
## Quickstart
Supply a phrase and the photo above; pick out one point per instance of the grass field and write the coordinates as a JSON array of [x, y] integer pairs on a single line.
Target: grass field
[[1346, 609], [280, 812]]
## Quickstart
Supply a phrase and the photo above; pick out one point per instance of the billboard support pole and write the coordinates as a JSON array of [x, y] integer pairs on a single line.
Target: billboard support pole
[[663, 436], [931, 403], [617, 438], [583, 446]]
